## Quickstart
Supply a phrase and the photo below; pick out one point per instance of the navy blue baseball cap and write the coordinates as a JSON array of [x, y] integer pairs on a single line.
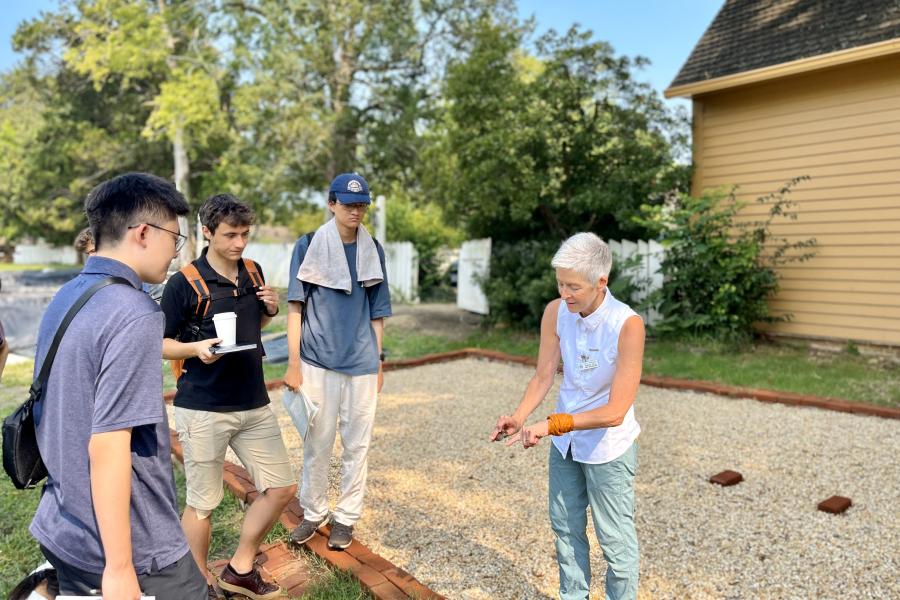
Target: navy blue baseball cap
[[350, 188]]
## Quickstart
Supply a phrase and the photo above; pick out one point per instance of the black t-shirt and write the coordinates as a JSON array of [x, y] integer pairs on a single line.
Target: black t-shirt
[[234, 382]]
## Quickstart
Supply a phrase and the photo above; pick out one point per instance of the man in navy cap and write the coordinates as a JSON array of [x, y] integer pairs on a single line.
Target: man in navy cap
[[338, 298]]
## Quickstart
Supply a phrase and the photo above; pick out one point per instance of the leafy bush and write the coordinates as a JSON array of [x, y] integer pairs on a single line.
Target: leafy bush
[[423, 224], [719, 267], [522, 281]]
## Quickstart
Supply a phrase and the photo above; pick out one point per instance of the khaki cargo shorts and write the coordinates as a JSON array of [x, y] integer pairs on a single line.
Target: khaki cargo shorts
[[255, 437]]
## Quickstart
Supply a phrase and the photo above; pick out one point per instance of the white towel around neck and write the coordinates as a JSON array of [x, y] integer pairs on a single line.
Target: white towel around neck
[[325, 263]]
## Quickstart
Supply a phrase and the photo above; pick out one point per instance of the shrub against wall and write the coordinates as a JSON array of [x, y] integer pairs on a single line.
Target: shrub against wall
[[720, 268]]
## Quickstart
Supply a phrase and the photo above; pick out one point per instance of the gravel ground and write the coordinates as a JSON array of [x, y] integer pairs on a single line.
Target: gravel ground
[[469, 518]]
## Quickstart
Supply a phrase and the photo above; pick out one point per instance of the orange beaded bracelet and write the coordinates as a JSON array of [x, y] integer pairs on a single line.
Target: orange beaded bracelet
[[560, 423]]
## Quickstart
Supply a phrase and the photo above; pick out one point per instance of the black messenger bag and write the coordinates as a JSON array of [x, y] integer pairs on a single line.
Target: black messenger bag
[[21, 457]]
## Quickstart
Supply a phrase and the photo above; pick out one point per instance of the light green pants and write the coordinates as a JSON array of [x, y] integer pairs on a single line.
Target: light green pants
[[608, 489]]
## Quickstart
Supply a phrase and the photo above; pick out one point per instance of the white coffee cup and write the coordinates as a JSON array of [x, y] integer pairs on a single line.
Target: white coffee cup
[[226, 328]]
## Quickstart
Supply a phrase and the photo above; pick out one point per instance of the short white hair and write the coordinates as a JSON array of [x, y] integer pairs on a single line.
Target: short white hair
[[586, 254]]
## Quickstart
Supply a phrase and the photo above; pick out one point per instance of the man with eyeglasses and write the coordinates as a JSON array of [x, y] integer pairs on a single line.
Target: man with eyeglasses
[[338, 298], [222, 400], [108, 514]]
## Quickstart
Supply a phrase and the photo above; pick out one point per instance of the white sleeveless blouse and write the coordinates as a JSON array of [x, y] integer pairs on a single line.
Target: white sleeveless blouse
[[590, 348]]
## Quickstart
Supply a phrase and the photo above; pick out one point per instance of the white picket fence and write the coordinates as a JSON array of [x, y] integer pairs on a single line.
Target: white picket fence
[[474, 265], [42, 253], [401, 260], [475, 260], [646, 272], [275, 260]]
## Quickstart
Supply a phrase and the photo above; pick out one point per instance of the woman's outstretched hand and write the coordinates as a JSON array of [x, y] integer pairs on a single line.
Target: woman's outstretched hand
[[506, 427], [532, 434], [510, 430]]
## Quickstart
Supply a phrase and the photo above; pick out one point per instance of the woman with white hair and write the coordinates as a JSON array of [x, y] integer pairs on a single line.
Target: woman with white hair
[[593, 456]]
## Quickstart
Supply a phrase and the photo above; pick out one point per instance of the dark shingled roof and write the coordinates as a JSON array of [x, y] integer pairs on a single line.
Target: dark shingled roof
[[751, 34]]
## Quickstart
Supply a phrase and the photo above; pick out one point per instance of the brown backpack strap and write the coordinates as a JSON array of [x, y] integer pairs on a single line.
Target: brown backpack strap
[[177, 367], [255, 277], [192, 275], [195, 280]]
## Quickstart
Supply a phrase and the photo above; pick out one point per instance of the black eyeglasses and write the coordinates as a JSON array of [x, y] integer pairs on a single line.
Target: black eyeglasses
[[179, 239]]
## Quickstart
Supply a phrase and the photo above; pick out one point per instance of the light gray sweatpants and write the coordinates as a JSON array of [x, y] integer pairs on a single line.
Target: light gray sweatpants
[[350, 401]]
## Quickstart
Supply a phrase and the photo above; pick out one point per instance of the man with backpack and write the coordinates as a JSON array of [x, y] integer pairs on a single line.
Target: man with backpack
[[338, 298], [108, 515], [222, 399]]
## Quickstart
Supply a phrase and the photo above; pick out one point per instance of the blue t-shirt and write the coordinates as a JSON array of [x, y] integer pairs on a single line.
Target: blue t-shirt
[[337, 326], [106, 377]]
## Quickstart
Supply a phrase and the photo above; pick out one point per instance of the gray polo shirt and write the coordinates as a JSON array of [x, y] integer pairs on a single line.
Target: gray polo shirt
[[337, 326], [106, 377]]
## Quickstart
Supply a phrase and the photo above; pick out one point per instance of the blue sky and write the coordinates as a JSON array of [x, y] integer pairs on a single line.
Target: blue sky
[[664, 31]]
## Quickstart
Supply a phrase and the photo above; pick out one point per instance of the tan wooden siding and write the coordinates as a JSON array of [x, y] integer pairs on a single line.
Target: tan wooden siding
[[841, 127]]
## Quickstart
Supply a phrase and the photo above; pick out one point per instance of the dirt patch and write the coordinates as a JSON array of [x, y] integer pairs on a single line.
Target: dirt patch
[[435, 319]]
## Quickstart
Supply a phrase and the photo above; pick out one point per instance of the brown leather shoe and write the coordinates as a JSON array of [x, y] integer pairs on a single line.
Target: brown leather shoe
[[250, 584]]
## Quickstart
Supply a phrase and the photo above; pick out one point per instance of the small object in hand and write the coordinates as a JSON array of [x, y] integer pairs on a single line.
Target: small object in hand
[[835, 505], [501, 435], [220, 349], [727, 478]]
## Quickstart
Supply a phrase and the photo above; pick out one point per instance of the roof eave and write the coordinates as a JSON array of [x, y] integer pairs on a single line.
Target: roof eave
[[796, 67]]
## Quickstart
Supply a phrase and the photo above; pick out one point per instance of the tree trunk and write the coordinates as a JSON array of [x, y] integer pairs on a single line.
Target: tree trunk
[[182, 183], [182, 165]]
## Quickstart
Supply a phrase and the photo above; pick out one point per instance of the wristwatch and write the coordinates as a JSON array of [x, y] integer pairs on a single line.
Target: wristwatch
[[381, 357]]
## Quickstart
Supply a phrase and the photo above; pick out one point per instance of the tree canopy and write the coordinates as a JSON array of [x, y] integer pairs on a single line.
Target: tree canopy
[[448, 105], [558, 141]]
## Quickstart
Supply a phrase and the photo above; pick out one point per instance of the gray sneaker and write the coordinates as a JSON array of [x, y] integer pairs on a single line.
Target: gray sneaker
[[305, 530], [341, 535]]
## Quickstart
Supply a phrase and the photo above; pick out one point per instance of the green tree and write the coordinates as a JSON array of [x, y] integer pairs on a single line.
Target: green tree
[[169, 42], [121, 86], [561, 141], [338, 86], [60, 137]]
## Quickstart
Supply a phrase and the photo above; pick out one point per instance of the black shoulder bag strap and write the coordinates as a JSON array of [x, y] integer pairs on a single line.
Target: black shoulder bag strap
[[37, 387], [309, 238]]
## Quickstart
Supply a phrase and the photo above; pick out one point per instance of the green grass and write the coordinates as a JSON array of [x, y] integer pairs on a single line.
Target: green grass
[[781, 367], [226, 519], [788, 368], [18, 375], [19, 553], [404, 344], [332, 584], [10, 267]]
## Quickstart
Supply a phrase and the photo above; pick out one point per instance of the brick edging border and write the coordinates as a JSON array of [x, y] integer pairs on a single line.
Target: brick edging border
[[787, 398], [383, 579]]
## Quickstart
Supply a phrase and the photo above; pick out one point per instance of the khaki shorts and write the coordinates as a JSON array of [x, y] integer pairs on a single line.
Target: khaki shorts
[[254, 436]]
